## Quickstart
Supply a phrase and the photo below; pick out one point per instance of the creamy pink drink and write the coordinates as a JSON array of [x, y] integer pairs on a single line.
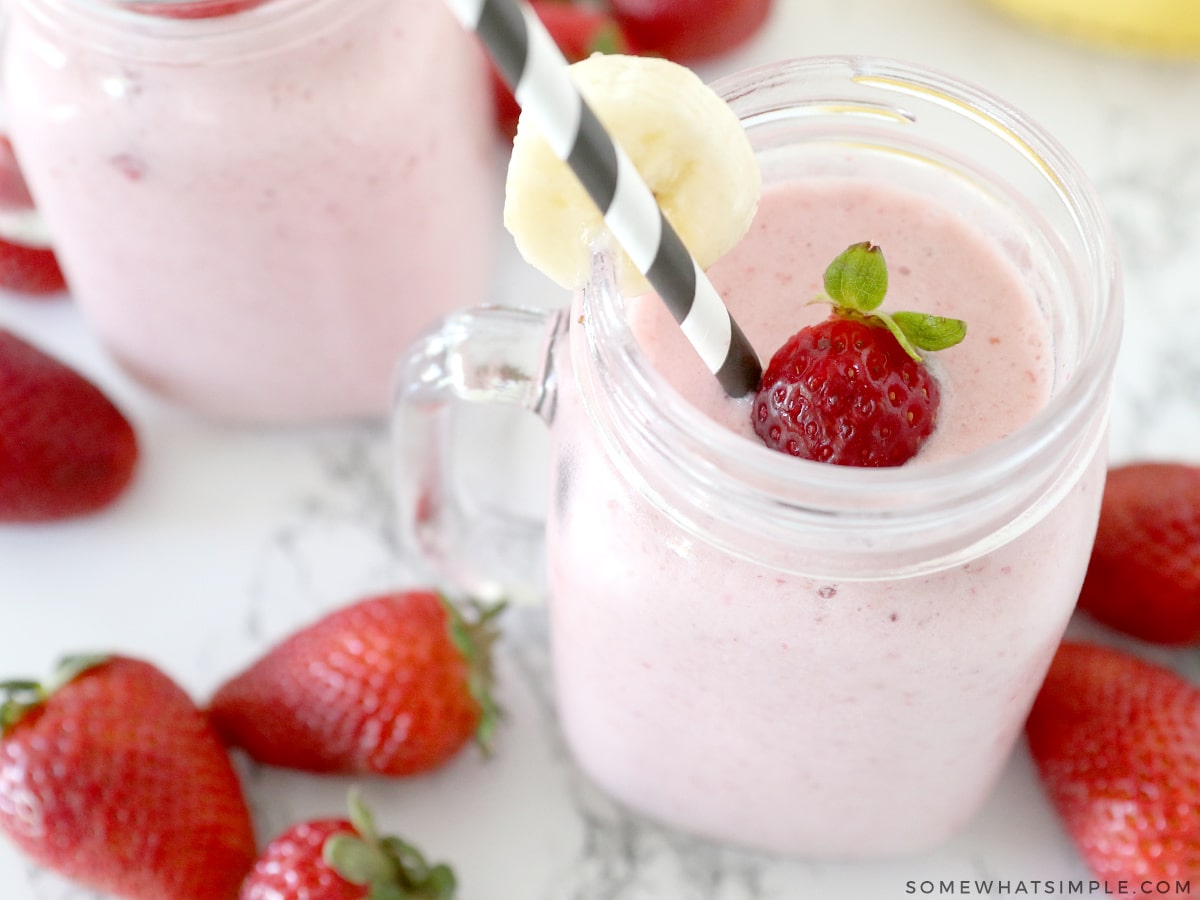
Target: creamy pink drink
[[991, 385], [814, 659], [828, 715], [257, 211]]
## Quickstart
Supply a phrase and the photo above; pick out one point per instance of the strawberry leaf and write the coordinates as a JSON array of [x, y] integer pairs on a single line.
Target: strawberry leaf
[[357, 861], [608, 39], [440, 883], [391, 868], [17, 699], [420, 880], [927, 332], [361, 818], [857, 281], [857, 278], [474, 639]]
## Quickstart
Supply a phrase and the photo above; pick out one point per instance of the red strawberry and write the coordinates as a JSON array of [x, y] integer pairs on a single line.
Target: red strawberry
[[29, 270], [393, 685], [1116, 741], [14, 193], [344, 859], [578, 31], [194, 9], [65, 450], [851, 390], [112, 777], [685, 30], [1144, 575], [24, 267]]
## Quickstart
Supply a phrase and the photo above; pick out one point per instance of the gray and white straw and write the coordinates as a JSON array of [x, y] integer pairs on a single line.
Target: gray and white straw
[[535, 69]]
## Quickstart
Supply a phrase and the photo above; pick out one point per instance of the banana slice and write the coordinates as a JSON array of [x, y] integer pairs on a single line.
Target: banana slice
[[684, 140]]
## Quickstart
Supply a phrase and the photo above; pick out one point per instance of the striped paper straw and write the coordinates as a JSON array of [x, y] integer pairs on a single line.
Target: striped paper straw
[[536, 71]]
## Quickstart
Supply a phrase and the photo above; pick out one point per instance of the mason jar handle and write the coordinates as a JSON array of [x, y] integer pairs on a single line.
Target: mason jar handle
[[488, 355]]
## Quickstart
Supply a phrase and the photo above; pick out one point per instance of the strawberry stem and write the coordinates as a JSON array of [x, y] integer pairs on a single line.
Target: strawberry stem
[[856, 283], [391, 869], [857, 278], [608, 39], [20, 697], [474, 640]]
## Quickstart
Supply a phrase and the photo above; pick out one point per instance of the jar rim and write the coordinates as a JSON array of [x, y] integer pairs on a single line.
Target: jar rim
[[266, 25], [807, 493]]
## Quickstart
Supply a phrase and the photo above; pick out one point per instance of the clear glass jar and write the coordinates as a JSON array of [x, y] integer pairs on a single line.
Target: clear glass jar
[[257, 211], [806, 658]]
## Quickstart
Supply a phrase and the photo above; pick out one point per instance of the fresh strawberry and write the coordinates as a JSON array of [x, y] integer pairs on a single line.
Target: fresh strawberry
[[29, 270], [1116, 741], [852, 390], [687, 30], [194, 9], [392, 685], [578, 31], [112, 777], [14, 193], [1144, 575], [25, 266], [345, 859], [65, 450]]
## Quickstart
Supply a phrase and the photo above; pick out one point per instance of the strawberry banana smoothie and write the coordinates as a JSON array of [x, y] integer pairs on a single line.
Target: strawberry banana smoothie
[[818, 715], [781, 652], [257, 205], [991, 385]]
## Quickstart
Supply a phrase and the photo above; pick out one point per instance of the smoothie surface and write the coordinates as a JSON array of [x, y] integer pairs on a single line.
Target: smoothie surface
[[938, 263]]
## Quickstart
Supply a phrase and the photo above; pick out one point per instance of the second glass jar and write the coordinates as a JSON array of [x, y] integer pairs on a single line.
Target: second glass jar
[[257, 210]]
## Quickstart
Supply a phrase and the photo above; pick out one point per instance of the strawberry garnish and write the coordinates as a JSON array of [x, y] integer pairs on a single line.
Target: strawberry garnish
[[29, 270], [687, 30], [393, 685], [65, 450], [110, 776], [345, 859], [579, 32], [852, 390], [1116, 741], [1144, 574]]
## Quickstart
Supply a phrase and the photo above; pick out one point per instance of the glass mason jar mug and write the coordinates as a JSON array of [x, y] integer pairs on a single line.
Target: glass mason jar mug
[[776, 652], [258, 203]]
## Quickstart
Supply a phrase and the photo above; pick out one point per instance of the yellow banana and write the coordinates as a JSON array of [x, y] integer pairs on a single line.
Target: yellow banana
[[1165, 27]]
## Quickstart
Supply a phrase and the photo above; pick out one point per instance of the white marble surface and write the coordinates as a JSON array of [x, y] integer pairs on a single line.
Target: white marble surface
[[232, 536]]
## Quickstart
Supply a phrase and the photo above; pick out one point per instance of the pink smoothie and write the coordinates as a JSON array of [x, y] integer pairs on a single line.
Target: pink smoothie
[[257, 212], [827, 717], [991, 384]]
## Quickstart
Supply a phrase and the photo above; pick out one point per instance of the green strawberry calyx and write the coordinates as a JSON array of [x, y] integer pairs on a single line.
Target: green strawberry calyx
[[19, 698], [608, 39], [474, 637], [856, 283], [391, 869]]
